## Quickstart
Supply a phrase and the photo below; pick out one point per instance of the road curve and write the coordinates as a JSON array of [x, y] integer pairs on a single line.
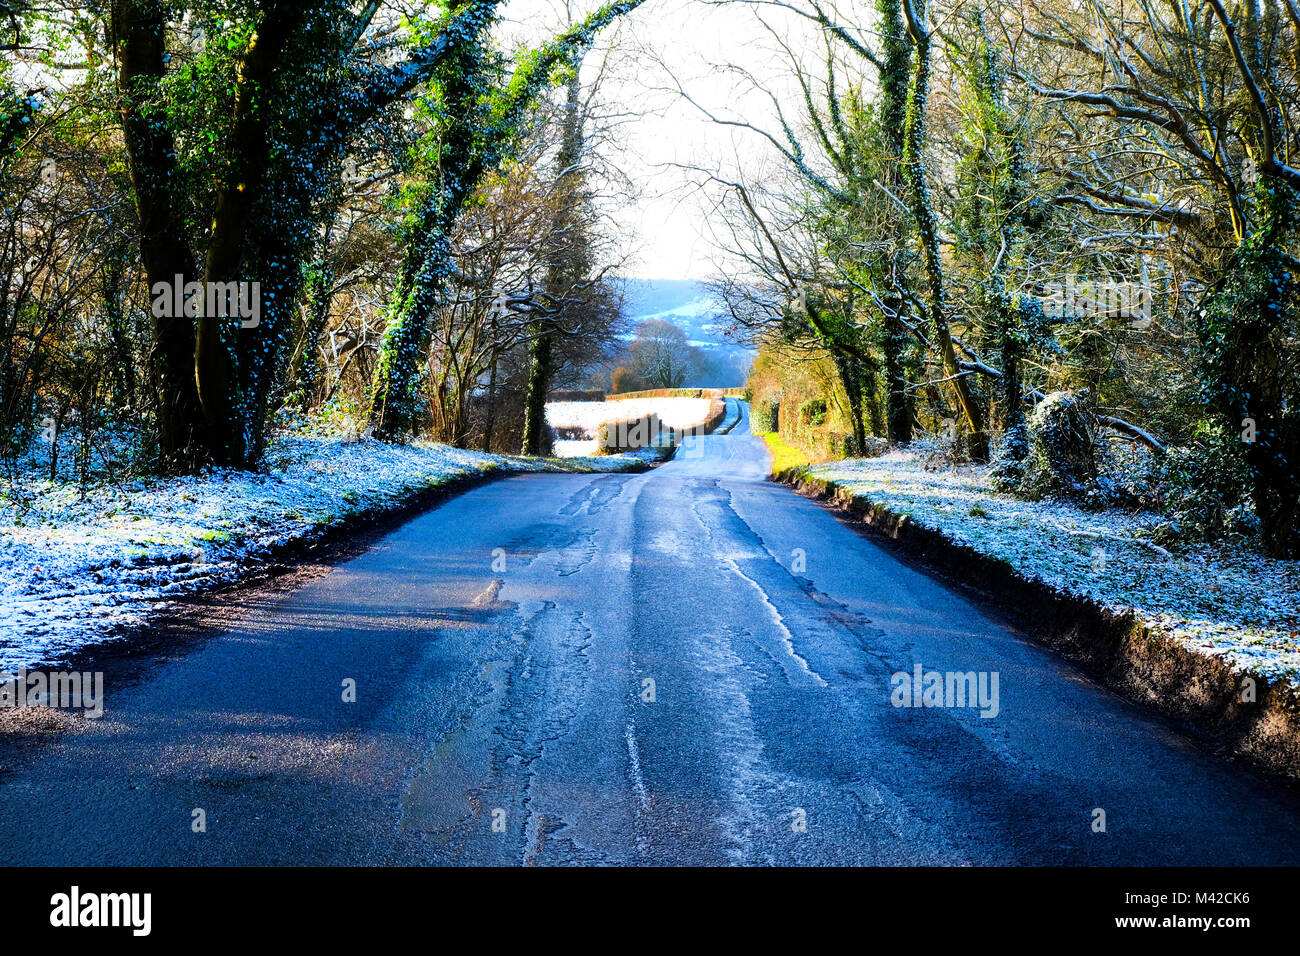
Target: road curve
[[687, 666]]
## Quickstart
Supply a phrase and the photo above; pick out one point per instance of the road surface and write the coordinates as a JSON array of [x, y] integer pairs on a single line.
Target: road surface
[[687, 666]]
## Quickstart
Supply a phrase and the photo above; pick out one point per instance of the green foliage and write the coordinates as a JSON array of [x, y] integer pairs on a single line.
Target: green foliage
[[17, 112], [1007, 467], [1062, 449], [1205, 485], [1248, 333], [478, 118], [786, 458], [659, 393], [764, 416], [629, 434], [813, 411]]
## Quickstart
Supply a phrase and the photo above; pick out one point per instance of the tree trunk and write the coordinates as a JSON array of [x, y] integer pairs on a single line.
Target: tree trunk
[[927, 227], [164, 251], [232, 433], [540, 368], [490, 424], [123, 369], [898, 401]]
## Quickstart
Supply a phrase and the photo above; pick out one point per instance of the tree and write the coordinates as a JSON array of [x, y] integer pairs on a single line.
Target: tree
[[476, 130], [568, 263], [914, 146], [661, 355]]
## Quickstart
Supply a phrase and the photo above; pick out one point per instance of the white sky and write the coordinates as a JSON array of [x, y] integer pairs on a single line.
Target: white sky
[[691, 40]]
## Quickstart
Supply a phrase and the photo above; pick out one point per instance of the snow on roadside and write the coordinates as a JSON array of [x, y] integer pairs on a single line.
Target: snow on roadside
[[1221, 599], [73, 569]]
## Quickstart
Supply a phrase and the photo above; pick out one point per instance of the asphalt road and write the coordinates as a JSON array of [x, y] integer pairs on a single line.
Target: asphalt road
[[501, 647]]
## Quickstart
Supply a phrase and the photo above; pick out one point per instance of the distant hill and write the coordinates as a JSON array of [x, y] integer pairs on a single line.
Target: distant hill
[[687, 304], [650, 296]]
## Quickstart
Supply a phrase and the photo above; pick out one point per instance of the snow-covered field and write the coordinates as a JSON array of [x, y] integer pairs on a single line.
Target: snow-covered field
[[1219, 599], [73, 568], [574, 447], [587, 417]]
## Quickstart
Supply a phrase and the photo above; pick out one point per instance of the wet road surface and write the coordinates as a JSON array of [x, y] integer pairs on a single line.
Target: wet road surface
[[690, 665]]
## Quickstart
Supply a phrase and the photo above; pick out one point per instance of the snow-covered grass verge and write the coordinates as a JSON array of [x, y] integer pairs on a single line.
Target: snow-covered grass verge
[[1223, 600], [76, 566]]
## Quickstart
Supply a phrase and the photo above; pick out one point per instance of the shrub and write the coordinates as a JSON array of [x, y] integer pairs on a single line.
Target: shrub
[[1205, 487], [658, 393], [576, 395], [1007, 468], [845, 445], [629, 434], [764, 416], [624, 380], [1061, 459], [813, 411]]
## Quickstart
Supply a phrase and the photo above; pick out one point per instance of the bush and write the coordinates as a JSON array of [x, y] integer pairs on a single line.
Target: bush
[[629, 434], [813, 412], [842, 446], [1007, 469], [624, 380], [785, 457], [1061, 459], [845, 445], [1205, 487], [658, 393], [764, 416], [576, 395]]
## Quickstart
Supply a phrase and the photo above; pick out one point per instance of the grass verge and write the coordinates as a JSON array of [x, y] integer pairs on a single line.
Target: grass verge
[[788, 462]]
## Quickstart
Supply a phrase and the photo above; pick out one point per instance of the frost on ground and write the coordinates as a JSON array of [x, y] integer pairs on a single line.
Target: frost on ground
[[578, 422], [1221, 599], [74, 568]]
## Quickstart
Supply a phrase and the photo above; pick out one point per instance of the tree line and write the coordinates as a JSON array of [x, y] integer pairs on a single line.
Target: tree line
[[407, 197], [1043, 229], [1039, 230]]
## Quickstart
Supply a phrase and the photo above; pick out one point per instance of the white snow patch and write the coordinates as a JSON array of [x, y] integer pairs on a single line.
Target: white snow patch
[[1221, 599], [76, 566]]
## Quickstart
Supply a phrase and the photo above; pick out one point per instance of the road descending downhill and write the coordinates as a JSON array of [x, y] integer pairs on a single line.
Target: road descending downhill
[[687, 666]]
